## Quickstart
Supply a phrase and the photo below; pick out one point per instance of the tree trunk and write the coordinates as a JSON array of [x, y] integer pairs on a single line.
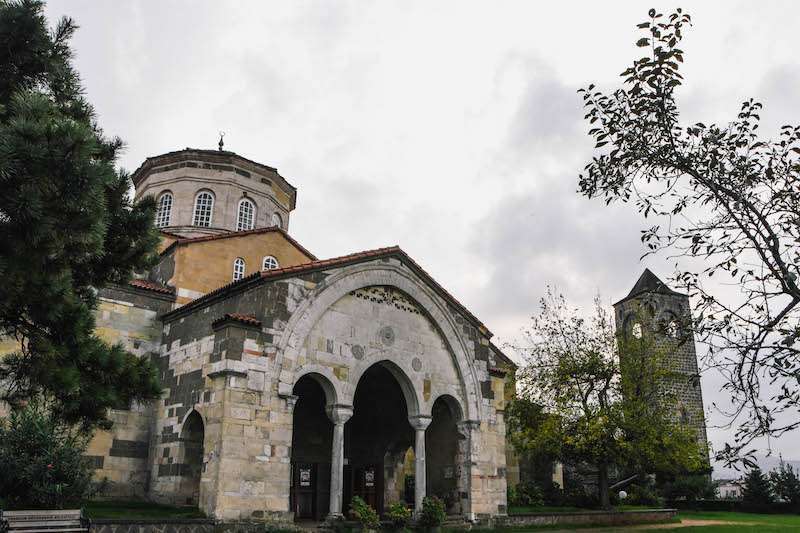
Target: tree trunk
[[602, 485]]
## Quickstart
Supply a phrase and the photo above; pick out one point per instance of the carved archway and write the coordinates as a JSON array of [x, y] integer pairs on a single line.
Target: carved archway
[[357, 277]]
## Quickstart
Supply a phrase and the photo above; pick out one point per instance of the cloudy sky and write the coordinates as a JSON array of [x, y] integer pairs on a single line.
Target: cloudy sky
[[451, 129]]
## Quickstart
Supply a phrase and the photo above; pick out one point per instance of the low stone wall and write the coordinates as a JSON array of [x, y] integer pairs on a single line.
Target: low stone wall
[[110, 525], [604, 518]]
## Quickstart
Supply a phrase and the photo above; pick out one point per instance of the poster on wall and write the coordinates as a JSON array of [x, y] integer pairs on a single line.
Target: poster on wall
[[305, 477], [369, 477]]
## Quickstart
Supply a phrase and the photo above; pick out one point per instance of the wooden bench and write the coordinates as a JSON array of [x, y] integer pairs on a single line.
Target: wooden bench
[[43, 521]]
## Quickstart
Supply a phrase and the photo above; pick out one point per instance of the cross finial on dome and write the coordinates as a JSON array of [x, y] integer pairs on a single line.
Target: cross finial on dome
[[221, 142]]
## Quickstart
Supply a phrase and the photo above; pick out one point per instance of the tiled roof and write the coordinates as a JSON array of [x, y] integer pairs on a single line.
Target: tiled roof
[[169, 233], [272, 229], [325, 263], [238, 317], [649, 283], [312, 266], [503, 357], [497, 371], [151, 286]]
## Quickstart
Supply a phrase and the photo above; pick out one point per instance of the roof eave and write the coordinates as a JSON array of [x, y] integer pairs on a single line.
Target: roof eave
[[289, 272]]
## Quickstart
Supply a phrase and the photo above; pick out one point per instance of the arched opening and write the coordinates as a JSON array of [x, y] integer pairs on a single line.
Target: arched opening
[[442, 445], [377, 439], [312, 439], [192, 436]]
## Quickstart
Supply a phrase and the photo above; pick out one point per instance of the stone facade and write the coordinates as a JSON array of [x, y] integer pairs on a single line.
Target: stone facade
[[334, 325], [655, 309], [292, 390], [128, 316]]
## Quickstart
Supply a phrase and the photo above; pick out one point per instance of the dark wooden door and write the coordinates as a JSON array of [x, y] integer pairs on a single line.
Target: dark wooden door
[[304, 491], [365, 481]]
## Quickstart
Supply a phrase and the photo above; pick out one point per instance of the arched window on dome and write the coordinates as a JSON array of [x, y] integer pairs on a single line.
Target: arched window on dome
[[245, 219], [164, 210], [277, 221], [269, 263], [203, 209], [238, 269]]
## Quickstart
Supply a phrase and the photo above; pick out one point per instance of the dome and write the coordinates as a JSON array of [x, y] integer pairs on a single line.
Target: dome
[[209, 192]]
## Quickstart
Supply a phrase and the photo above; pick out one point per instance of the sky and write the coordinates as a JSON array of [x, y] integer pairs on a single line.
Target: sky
[[450, 128]]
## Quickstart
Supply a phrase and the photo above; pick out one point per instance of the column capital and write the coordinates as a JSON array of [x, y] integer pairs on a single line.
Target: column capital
[[466, 427], [291, 401], [420, 422], [339, 413]]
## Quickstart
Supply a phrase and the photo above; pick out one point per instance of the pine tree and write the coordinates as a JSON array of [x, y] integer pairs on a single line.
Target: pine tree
[[757, 488], [786, 484], [68, 227]]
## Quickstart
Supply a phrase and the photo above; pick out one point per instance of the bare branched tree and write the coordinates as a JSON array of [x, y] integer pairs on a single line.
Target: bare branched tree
[[724, 198]]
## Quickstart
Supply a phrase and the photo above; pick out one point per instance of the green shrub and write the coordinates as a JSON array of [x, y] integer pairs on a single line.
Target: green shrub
[[642, 495], [399, 515], [42, 461], [433, 513], [577, 496], [527, 493], [786, 484], [364, 514], [689, 487], [552, 494]]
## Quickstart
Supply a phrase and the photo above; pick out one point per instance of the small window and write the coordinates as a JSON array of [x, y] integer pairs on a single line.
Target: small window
[[238, 269], [247, 215], [637, 330], [164, 210], [277, 220], [270, 263], [203, 209]]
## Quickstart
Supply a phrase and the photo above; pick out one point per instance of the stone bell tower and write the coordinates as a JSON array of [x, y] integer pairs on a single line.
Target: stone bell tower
[[669, 316]]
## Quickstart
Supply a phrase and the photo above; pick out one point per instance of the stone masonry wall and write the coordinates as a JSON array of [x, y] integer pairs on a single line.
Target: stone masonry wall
[[120, 455]]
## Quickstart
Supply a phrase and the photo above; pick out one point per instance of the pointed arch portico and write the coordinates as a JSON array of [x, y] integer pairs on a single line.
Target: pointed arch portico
[[349, 279]]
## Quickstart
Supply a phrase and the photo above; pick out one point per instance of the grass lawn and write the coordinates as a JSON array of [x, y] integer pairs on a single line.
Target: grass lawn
[[692, 521], [522, 509], [130, 510], [741, 521]]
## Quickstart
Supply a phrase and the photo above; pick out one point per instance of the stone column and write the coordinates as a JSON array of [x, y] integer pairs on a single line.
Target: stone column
[[339, 415], [420, 423]]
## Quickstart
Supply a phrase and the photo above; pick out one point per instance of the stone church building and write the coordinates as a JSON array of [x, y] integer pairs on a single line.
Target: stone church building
[[292, 384]]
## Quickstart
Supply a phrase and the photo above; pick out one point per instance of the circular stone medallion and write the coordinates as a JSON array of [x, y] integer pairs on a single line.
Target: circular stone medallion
[[416, 364], [387, 335], [358, 351]]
